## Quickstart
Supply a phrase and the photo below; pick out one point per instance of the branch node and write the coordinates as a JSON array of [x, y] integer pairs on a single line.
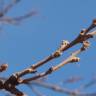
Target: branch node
[[50, 70], [59, 51], [13, 80]]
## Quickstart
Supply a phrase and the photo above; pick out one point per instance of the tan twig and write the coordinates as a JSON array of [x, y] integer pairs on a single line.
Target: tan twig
[[73, 58], [64, 46], [15, 79]]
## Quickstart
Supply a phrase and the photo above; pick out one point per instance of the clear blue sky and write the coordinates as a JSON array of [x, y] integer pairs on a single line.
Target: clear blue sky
[[39, 36]]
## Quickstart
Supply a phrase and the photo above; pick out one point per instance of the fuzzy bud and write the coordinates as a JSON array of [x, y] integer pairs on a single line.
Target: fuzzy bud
[[65, 42]]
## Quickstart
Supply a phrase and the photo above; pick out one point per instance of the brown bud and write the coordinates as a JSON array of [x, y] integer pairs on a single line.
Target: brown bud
[[75, 59], [83, 31], [57, 53], [3, 67]]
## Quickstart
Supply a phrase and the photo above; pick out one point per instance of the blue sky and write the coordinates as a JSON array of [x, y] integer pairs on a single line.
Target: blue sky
[[39, 36]]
